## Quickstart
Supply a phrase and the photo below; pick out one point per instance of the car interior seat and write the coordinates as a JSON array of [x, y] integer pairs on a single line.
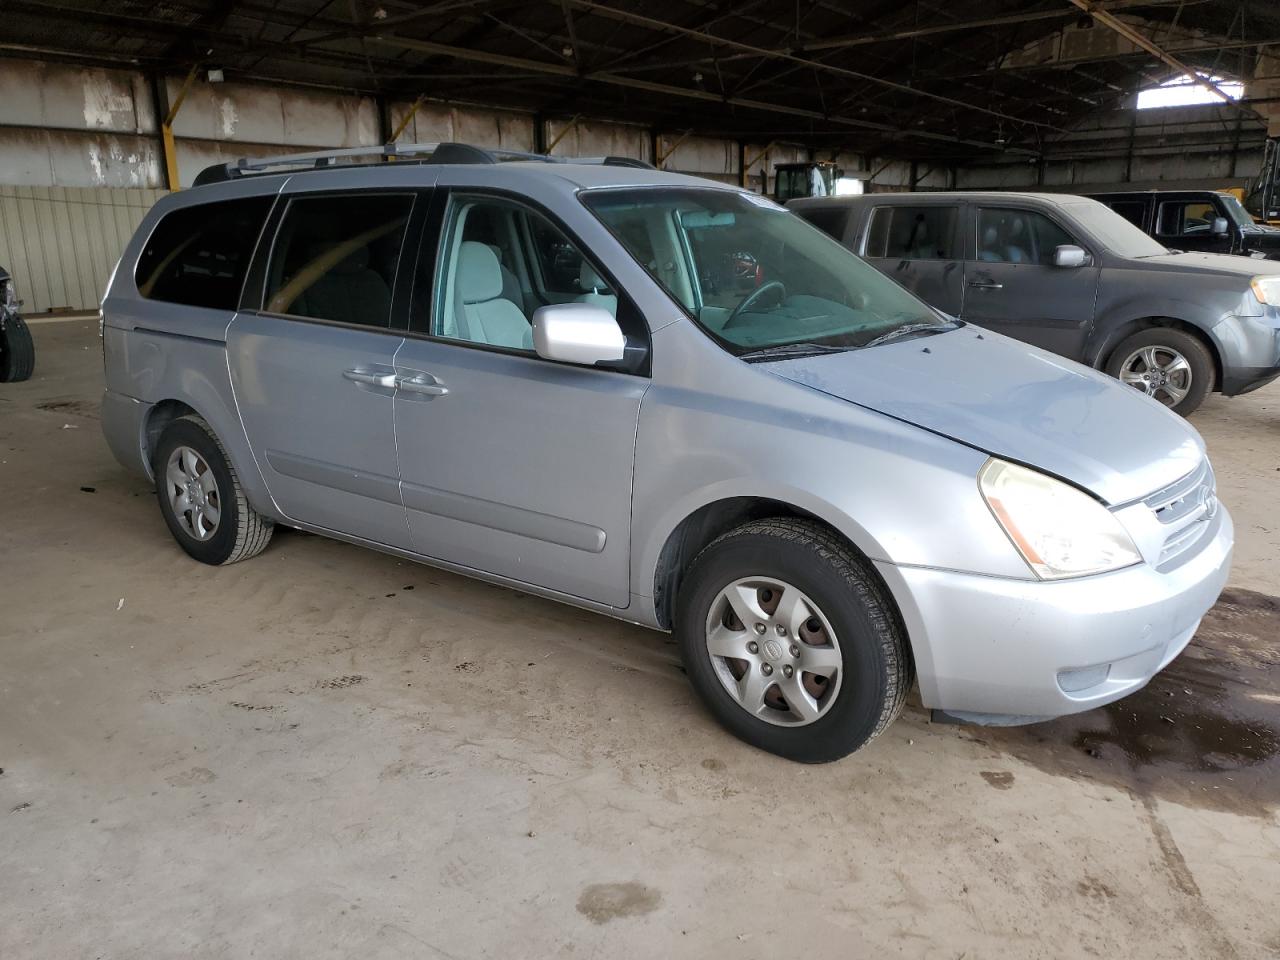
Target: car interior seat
[[510, 285], [350, 292], [596, 292], [1017, 250], [919, 246], [481, 313], [990, 251]]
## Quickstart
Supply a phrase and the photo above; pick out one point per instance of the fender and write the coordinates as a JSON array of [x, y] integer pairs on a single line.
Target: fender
[[1120, 319]]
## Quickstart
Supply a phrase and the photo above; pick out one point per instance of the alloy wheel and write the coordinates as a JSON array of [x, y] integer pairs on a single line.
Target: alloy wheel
[[1158, 371]]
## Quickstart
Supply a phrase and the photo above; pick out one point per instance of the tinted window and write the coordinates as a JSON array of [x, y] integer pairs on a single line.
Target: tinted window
[[830, 220], [1135, 211], [913, 233], [199, 255], [1018, 236], [1182, 218], [335, 258]]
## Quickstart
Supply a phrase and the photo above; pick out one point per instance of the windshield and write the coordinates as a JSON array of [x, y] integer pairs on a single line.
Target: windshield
[[1236, 211], [1116, 233], [753, 275]]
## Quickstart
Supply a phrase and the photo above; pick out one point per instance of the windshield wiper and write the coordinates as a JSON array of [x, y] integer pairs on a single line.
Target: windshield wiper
[[801, 349], [907, 330]]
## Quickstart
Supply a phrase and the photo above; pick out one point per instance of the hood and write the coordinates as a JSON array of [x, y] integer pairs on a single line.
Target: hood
[[1016, 402], [1219, 263]]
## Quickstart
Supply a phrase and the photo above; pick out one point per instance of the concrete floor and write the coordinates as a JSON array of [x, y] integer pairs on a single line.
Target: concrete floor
[[326, 752]]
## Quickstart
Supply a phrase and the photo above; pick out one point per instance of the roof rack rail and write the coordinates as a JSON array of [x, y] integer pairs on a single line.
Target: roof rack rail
[[413, 152]]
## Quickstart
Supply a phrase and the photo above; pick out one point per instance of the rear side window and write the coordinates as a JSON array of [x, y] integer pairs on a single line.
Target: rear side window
[[830, 220], [1135, 211], [335, 258], [913, 233], [198, 256]]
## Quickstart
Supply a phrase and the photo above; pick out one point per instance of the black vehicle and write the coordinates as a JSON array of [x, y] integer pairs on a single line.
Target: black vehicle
[[1196, 220], [17, 352]]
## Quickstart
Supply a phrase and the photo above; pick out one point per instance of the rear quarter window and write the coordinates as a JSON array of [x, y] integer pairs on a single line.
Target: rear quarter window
[[198, 256], [830, 220]]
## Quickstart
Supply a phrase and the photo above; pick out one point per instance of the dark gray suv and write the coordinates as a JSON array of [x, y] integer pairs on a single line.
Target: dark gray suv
[[1068, 274]]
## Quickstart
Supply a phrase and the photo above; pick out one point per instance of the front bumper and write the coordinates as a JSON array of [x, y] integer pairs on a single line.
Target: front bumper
[[1033, 649], [1249, 348]]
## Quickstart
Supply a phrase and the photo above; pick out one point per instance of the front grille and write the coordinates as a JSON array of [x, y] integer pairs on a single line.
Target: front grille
[[1187, 507]]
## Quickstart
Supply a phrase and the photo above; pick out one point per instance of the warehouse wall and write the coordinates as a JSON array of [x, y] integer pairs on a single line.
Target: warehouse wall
[[81, 156], [61, 243]]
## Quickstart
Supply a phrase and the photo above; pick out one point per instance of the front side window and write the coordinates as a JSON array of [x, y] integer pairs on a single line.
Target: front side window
[[1018, 236], [335, 258], [913, 233], [754, 276], [198, 256], [1186, 219], [499, 262]]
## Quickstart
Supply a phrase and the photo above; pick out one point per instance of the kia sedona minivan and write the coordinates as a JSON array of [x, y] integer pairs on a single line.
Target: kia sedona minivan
[[665, 400]]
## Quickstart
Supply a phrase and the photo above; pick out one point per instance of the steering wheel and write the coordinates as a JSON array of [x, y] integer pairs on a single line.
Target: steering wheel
[[772, 286]]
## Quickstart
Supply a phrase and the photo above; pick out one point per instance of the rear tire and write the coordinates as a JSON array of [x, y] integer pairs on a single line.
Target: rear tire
[[201, 498], [830, 655], [1169, 365], [17, 351]]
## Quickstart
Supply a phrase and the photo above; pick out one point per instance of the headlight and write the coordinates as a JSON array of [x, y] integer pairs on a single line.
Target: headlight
[[1059, 531], [8, 296], [1267, 289]]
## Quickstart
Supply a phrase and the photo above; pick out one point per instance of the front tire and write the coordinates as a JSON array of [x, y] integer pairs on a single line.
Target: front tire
[[791, 640], [17, 351], [1167, 364], [201, 498]]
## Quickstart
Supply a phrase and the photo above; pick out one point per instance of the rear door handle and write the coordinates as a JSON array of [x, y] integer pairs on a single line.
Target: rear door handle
[[372, 379], [986, 285], [424, 384]]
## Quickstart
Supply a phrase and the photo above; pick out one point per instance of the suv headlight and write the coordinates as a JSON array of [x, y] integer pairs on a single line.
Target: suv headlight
[[8, 296], [1267, 289], [1060, 531]]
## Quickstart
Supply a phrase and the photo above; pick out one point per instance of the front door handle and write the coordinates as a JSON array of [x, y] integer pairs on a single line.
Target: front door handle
[[372, 379], [424, 384], [986, 285]]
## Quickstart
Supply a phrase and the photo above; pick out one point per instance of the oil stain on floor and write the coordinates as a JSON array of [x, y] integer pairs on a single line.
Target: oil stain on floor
[[1205, 732]]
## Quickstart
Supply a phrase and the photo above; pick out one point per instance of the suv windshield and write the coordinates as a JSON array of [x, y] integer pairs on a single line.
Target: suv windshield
[[753, 275], [1236, 211], [1116, 233]]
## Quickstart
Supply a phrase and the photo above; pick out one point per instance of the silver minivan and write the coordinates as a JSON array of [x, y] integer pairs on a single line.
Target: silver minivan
[[666, 400]]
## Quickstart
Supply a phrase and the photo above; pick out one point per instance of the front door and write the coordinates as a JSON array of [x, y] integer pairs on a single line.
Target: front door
[[312, 369], [511, 464], [920, 247], [1013, 287]]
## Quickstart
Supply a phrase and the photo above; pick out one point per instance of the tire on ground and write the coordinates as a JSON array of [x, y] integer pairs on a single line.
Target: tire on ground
[[1190, 346], [242, 532], [876, 670], [17, 351]]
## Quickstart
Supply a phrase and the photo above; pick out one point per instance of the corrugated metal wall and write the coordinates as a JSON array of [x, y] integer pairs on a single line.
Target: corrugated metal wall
[[61, 243]]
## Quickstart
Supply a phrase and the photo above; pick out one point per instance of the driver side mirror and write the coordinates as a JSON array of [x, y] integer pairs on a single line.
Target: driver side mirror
[[1069, 255], [1220, 226], [580, 333]]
